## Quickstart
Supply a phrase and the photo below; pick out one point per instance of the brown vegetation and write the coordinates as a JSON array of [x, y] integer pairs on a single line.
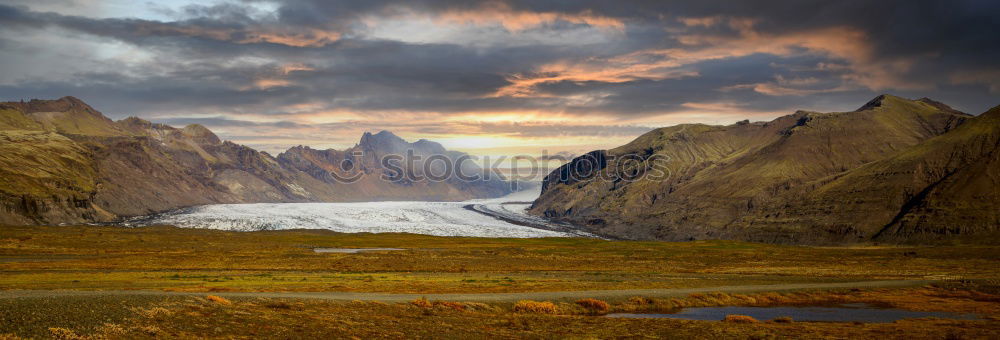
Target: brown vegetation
[[64, 334], [528, 306], [734, 318], [422, 303], [196, 260], [218, 299], [594, 305], [201, 260], [956, 298], [253, 318]]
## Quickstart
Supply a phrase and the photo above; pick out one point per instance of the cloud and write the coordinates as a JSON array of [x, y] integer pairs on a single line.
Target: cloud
[[514, 71], [989, 77], [620, 69], [232, 29], [840, 43], [496, 12], [782, 86]]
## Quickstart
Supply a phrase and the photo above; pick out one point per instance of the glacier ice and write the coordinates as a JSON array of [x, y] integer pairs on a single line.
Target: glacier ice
[[416, 217]]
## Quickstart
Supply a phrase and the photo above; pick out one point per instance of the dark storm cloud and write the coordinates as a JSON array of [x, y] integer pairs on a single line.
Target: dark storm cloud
[[228, 24], [897, 27], [229, 58]]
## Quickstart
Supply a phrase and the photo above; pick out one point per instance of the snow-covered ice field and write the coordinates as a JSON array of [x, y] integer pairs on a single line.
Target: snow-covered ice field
[[429, 218]]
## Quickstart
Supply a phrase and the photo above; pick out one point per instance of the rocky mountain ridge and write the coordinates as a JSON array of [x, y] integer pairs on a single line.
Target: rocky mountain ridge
[[62, 161], [895, 170]]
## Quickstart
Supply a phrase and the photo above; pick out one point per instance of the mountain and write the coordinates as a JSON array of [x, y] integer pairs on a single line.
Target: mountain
[[895, 170], [62, 161], [364, 162], [945, 187]]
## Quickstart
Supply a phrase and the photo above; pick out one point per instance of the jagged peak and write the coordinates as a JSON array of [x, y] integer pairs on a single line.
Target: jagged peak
[[424, 141], [381, 137], [299, 149], [386, 134]]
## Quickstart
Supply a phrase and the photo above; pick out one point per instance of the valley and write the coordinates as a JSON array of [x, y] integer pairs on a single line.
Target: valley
[[167, 232], [499, 169]]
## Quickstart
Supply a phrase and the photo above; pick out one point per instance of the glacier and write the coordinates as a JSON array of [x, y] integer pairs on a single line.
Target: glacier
[[415, 217]]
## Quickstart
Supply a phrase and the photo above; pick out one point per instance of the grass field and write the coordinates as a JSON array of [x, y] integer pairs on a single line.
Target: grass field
[[215, 317], [205, 261]]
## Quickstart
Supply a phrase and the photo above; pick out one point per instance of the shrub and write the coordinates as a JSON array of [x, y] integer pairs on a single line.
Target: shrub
[[528, 306], [218, 299], [63, 334], [740, 319], [154, 312], [640, 300], [112, 329], [594, 305], [149, 330], [453, 305], [783, 319], [422, 303], [481, 307], [278, 305]]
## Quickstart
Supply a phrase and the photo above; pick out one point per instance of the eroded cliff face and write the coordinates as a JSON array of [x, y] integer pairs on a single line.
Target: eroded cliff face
[[62, 161], [894, 170]]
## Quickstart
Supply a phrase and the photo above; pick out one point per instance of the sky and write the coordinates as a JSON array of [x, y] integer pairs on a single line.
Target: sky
[[491, 77]]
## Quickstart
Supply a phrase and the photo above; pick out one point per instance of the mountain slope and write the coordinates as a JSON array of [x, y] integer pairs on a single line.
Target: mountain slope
[[64, 162], [945, 187], [45, 176], [737, 181]]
